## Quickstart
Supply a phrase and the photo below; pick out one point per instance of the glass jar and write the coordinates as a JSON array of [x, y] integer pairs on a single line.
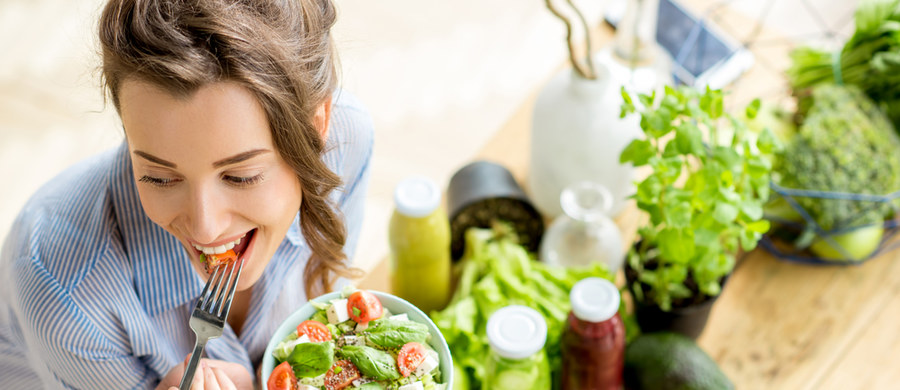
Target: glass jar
[[593, 340], [517, 359], [584, 234], [419, 237]]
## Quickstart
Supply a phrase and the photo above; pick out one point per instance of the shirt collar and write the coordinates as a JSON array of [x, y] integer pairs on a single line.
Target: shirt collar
[[163, 276]]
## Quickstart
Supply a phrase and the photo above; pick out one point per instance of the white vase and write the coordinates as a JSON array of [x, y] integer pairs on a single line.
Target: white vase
[[577, 135]]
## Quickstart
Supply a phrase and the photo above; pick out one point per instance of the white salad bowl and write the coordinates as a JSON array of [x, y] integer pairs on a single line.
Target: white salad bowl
[[394, 304]]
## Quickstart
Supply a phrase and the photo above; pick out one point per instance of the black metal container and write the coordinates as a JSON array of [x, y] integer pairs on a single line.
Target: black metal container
[[483, 192]]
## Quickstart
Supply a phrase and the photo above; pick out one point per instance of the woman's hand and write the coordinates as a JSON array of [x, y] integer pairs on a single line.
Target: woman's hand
[[211, 375]]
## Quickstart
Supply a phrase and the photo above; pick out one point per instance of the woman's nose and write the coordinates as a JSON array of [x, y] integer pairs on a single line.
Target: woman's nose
[[207, 213]]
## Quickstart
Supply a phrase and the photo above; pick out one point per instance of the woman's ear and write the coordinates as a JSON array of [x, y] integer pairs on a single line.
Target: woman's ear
[[323, 117]]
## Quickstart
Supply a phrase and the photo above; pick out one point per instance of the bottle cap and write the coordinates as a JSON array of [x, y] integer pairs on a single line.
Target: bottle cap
[[417, 196], [594, 300], [516, 332]]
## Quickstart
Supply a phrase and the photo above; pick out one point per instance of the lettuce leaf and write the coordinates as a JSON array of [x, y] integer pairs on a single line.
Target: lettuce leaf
[[496, 272]]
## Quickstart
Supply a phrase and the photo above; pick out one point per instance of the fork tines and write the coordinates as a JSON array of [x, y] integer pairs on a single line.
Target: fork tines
[[217, 300]]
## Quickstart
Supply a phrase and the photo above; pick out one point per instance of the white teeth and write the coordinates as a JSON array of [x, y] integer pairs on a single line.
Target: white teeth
[[209, 250]]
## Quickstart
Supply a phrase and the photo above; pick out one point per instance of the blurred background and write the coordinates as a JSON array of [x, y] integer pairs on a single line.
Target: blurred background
[[439, 78]]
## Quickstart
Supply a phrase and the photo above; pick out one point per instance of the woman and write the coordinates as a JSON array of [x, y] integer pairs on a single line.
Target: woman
[[235, 138]]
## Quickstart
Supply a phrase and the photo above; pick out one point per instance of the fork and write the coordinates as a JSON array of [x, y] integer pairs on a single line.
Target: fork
[[208, 318]]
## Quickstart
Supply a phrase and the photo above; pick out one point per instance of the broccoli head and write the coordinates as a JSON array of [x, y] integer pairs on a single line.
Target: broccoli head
[[845, 144]]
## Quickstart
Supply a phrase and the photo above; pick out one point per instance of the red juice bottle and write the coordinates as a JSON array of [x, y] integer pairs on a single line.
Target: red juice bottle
[[593, 341]]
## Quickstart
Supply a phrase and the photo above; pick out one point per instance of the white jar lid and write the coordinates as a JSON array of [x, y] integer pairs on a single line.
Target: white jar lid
[[594, 300], [417, 196], [516, 332]]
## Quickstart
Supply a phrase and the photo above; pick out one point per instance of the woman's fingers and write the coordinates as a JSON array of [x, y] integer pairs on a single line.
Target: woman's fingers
[[223, 380], [210, 380]]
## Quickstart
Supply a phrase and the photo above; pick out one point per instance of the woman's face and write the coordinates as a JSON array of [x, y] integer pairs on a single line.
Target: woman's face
[[207, 171]]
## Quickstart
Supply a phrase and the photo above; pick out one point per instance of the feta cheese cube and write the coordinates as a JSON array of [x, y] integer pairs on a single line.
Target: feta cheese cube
[[288, 346], [362, 326], [399, 317], [337, 313], [307, 387], [426, 366], [300, 340], [433, 354], [413, 386]]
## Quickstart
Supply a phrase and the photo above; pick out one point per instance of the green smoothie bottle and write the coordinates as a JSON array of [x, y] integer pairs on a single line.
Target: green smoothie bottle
[[517, 360], [419, 238]]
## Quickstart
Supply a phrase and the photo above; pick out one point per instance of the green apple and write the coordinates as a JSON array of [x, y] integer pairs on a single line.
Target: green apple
[[858, 244]]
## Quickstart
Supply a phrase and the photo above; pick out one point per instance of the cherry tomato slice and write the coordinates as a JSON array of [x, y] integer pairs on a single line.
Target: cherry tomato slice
[[213, 261], [341, 375], [410, 357], [315, 330], [363, 306], [282, 378]]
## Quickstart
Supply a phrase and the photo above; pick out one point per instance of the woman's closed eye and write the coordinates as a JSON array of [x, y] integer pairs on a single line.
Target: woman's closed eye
[[158, 181], [243, 181]]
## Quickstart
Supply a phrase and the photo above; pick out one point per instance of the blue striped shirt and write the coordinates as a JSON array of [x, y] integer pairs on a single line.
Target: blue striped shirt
[[94, 295]]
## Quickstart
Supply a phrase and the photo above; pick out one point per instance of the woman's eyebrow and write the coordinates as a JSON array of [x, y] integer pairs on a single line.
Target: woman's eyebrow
[[154, 159], [239, 157]]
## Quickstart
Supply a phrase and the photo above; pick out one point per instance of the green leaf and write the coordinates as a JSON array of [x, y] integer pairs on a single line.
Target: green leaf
[[320, 316], [648, 190], [657, 123], [725, 213], [668, 169], [678, 215], [760, 226], [689, 139], [767, 142], [647, 100], [870, 15], [705, 237], [753, 108], [395, 333], [679, 290], [356, 311], [717, 105], [749, 239], [627, 103], [727, 156], [752, 209], [371, 362], [676, 244], [310, 360], [758, 166], [729, 195], [638, 152]]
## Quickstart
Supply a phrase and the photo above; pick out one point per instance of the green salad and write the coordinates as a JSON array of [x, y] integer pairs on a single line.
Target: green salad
[[355, 343]]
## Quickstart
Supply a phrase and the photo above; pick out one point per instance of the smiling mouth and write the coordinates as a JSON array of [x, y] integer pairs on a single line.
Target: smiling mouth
[[213, 257]]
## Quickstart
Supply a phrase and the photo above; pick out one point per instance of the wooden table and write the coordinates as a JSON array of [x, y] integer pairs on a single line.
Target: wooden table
[[777, 325]]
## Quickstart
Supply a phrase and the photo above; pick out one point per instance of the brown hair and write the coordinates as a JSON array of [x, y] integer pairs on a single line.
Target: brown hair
[[281, 50]]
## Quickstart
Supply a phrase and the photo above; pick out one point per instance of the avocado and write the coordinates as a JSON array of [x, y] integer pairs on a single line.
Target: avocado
[[671, 361]]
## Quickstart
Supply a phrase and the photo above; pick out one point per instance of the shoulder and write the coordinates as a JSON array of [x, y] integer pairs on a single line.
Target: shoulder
[[350, 136], [65, 224]]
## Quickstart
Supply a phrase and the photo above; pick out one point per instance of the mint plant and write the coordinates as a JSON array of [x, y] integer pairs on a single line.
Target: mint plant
[[708, 180]]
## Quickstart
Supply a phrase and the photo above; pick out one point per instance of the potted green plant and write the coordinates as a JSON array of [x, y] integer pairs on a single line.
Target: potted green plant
[[708, 178]]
